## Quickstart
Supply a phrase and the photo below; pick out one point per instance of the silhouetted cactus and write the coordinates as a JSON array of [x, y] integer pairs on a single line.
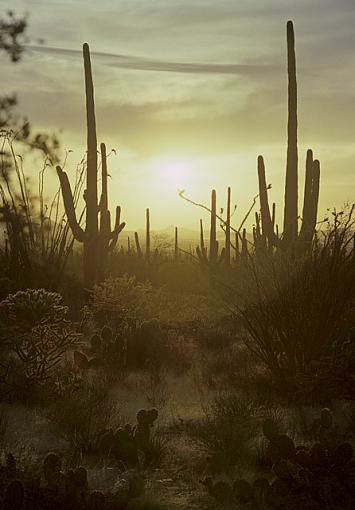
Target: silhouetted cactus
[[311, 191], [138, 246], [211, 259], [243, 491], [14, 496], [291, 187], [96, 241], [176, 245], [52, 467], [227, 257], [11, 468], [96, 501], [147, 235]]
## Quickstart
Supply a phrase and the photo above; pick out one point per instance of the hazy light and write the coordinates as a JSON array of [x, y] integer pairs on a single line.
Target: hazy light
[[174, 173]]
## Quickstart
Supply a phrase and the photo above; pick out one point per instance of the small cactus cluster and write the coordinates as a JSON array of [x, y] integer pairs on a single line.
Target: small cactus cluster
[[239, 492], [56, 489], [132, 348], [105, 348], [321, 474], [210, 258], [127, 442]]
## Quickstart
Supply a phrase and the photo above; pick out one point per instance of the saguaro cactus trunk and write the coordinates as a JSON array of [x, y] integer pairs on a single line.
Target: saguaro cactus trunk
[[228, 229], [176, 244], [147, 235], [291, 186], [213, 231]]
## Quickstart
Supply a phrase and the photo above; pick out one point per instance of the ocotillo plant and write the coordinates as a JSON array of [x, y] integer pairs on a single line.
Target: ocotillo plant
[[311, 192], [96, 241]]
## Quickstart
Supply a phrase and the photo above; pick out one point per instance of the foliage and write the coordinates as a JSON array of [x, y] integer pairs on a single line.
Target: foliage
[[35, 336], [118, 300], [295, 309], [12, 31], [83, 415], [37, 241], [314, 476], [50, 486], [227, 429]]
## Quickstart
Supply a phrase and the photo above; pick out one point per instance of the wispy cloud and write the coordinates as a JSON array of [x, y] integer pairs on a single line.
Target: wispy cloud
[[146, 64]]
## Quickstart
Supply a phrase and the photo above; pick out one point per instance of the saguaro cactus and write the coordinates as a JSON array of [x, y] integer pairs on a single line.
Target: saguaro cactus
[[96, 241], [228, 229], [138, 245], [212, 259], [176, 244], [311, 191], [310, 201], [291, 186], [147, 235]]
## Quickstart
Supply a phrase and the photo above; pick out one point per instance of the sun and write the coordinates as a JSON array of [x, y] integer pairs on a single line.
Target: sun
[[174, 173]]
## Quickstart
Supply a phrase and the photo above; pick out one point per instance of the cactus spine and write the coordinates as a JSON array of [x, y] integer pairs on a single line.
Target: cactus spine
[[96, 242]]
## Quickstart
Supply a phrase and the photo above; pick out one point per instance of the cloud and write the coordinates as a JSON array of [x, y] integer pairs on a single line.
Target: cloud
[[146, 64]]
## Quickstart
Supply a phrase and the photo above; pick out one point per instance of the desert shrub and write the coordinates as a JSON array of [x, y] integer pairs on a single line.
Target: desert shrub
[[83, 416], [298, 307], [136, 347], [314, 476], [332, 377], [119, 300], [227, 430], [35, 335], [143, 325], [48, 485]]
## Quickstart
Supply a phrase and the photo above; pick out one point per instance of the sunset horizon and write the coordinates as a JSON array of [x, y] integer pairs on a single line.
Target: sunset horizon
[[191, 117]]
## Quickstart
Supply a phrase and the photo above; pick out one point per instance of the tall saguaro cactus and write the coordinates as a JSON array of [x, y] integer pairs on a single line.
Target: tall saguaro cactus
[[290, 235], [291, 186], [96, 241]]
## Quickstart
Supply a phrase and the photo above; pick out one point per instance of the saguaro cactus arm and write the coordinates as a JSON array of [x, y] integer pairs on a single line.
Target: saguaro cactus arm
[[213, 231], [315, 194], [267, 221], [77, 231], [118, 228]]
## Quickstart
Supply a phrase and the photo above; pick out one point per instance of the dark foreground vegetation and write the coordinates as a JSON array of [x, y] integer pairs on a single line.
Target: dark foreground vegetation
[[157, 377]]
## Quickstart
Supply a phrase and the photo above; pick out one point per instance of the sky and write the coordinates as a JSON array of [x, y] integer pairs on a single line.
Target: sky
[[189, 93]]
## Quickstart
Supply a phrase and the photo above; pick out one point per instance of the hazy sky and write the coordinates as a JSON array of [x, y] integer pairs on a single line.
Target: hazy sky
[[190, 92]]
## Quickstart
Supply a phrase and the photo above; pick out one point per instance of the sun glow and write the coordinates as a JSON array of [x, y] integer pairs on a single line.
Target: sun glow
[[174, 173]]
